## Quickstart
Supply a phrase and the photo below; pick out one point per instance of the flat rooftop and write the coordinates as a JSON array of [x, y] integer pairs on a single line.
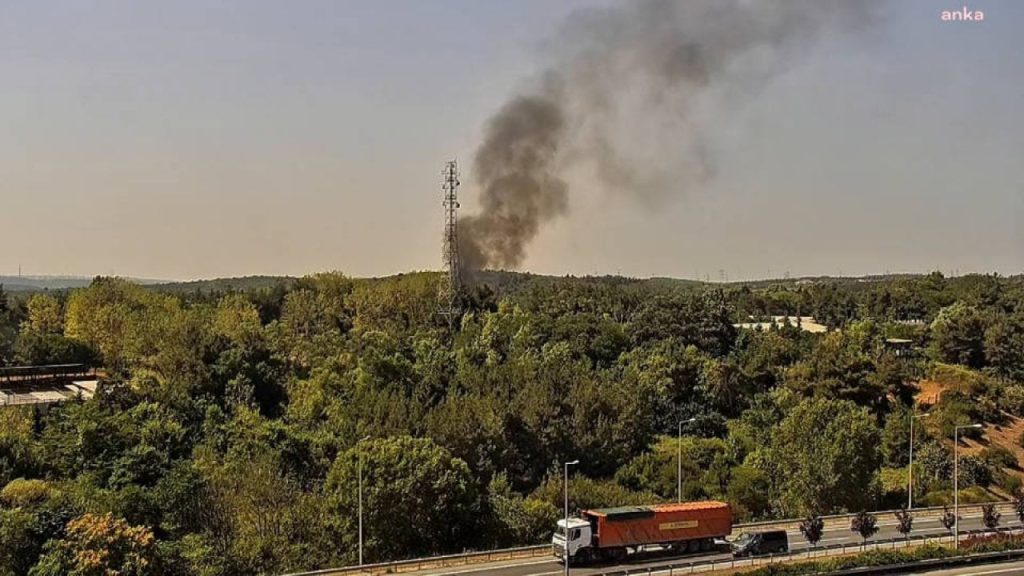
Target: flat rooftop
[[46, 393]]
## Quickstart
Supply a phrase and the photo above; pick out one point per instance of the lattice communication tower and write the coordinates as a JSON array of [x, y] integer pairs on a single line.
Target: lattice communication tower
[[451, 279]]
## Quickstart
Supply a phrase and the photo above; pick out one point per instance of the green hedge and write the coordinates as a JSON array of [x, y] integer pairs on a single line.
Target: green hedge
[[976, 545]]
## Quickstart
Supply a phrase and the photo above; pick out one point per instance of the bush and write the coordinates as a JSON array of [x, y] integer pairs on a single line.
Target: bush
[[963, 379], [866, 559], [518, 520], [999, 457], [974, 472], [1012, 399], [972, 495], [992, 543], [893, 482], [996, 543], [21, 492], [1010, 483], [956, 409]]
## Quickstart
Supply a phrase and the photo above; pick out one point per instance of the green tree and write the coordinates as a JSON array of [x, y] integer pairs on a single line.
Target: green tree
[[1004, 346], [409, 478], [44, 315], [935, 459], [34, 348], [823, 456], [749, 493], [518, 521], [958, 336], [837, 367], [896, 437]]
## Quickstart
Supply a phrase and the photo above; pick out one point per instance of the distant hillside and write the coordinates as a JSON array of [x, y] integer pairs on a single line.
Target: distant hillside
[[242, 284], [40, 283], [501, 281], [37, 283]]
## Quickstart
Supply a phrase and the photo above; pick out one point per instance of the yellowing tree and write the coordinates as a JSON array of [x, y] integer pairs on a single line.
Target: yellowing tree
[[99, 545], [44, 315]]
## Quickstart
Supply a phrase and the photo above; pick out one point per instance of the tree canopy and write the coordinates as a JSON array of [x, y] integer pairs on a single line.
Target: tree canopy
[[233, 420]]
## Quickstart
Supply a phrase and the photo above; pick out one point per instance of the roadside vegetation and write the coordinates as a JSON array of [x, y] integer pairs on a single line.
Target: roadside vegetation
[[871, 558], [230, 432]]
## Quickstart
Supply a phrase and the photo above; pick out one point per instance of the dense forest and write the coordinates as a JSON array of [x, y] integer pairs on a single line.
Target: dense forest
[[231, 426]]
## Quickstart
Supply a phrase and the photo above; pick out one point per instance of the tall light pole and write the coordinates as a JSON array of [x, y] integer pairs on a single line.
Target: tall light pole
[[910, 469], [565, 553], [359, 465], [679, 458], [956, 482]]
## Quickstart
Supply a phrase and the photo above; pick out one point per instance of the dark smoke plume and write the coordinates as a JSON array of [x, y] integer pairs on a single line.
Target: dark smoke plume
[[631, 94]]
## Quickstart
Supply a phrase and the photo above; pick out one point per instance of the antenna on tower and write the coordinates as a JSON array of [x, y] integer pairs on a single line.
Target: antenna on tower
[[451, 278]]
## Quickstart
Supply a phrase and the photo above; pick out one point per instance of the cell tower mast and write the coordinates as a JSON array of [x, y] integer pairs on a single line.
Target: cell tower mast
[[451, 279]]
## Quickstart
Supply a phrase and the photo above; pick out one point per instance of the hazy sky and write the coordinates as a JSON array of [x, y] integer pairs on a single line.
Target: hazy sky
[[203, 138]]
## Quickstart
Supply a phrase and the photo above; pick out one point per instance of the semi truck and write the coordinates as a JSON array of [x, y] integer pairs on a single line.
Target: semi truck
[[613, 533]]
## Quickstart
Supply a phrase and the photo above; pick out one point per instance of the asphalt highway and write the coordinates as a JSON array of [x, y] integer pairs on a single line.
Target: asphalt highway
[[656, 561]]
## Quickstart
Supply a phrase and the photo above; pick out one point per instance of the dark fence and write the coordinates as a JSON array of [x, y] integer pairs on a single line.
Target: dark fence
[[47, 373]]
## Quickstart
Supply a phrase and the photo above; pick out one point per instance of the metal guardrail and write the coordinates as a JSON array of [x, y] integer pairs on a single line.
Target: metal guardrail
[[523, 552], [435, 562]]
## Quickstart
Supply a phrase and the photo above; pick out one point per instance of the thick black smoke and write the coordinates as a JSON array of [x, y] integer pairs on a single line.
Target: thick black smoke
[[631, 94], [520, 187]]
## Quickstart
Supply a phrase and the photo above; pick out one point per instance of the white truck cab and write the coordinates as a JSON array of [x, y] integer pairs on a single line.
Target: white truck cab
[[579, 537]]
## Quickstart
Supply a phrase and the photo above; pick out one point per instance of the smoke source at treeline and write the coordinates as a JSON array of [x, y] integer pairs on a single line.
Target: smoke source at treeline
[[630, 94]]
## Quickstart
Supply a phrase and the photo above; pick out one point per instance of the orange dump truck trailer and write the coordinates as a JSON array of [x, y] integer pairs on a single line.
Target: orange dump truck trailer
[[611, 533]]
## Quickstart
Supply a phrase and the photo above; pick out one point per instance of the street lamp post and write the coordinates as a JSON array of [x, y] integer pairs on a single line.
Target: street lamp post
[[910, 468], [565, 552], [956, 482], [679, 458], [359, 465]]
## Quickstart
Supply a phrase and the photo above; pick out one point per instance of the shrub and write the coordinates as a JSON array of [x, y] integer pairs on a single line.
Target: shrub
[[948, 518], [974, 472], [866, 559], [1012, 399], [999, 457], [1009, 482], [865, 524], [972, 495], [905, 522], [963, 379], [990, 516], [21, 492], [956, 409], [975, 495], [812, 528], [992, 543]]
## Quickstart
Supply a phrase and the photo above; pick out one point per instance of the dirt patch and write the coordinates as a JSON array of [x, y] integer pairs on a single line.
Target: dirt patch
[[929, 392], [1007, 435]]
